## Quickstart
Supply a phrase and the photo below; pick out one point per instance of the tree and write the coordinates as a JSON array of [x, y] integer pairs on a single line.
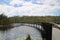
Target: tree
[[3, 19]]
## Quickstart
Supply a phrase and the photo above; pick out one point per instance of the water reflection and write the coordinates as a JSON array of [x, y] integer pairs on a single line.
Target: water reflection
[[20, 32]]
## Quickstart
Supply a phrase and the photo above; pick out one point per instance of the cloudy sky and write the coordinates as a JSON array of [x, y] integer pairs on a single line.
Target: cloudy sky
[[30, 7]]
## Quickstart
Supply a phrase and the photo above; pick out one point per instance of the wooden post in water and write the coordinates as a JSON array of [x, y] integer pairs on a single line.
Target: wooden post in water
[[48, 31]]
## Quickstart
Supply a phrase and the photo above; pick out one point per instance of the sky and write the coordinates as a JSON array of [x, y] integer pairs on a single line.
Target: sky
[[30, 7]]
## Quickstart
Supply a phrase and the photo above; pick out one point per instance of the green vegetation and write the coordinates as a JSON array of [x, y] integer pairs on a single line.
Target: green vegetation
[[33, 19], [1, 38], [4, 22], [24, 38], [28, 19]]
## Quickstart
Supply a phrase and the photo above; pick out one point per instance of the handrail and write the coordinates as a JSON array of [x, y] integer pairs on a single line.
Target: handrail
[[55, 25]]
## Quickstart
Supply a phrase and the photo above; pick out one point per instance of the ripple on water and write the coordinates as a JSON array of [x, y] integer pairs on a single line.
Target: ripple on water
[[21, 32]]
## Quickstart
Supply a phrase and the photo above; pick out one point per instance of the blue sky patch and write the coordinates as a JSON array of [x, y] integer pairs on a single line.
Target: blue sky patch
[[17, 5], [35, 2], [5, 2], [57, 12]]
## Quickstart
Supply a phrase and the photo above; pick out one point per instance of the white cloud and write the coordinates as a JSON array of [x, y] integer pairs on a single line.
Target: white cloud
[[16, 2], [29, 9]]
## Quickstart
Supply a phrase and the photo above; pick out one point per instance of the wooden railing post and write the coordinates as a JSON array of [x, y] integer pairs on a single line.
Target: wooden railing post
[[48, 31]]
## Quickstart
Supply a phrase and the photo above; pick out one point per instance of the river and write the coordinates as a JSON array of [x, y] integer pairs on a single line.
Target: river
[[19, 32]]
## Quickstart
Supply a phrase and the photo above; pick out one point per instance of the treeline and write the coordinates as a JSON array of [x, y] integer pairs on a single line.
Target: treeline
[[32, 19], [28, 19]]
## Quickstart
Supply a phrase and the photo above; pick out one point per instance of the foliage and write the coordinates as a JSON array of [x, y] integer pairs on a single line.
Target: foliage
[[3, 20], [28, 19], [32, 19]]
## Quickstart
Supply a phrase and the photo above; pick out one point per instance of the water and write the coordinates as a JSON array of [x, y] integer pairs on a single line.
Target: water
[[18, 32]]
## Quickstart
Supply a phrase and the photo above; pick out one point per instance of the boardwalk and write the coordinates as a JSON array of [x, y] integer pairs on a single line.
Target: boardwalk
[[55, 34]]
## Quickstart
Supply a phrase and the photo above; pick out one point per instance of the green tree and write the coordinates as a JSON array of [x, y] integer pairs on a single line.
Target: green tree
[[3, 19]]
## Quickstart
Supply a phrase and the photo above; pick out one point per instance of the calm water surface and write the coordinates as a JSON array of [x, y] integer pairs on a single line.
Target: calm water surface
[[18, 32]]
